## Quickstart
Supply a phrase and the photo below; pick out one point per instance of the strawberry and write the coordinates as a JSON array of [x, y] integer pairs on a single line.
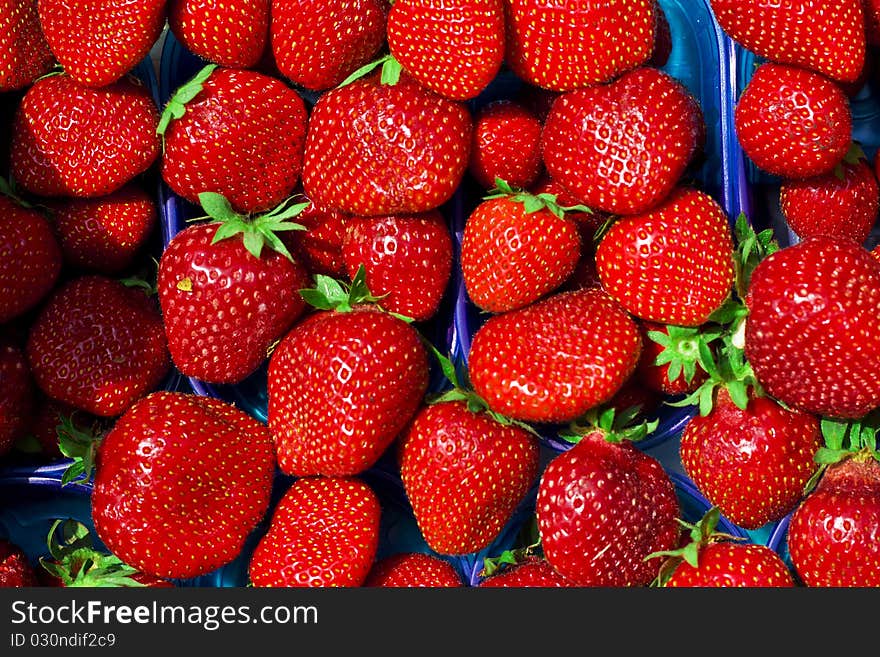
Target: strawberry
[[98, 345], [17, 396], [506, 144], [226, 299], [70, 140], [24, 53], [534, 571], [670, 265], [413, 569], [817, 299], [319, 246], [871, 9], [454, 48], [375, 149], [324, 533], [343, 383], [516, 248], [792, 122], [545, 42], [318, 43], [669, 364], [181, 481], [662, 39], [554, 360], [16, 570], [622, 147], [231, 34], [829, 39], [237, 133], [408, 260]]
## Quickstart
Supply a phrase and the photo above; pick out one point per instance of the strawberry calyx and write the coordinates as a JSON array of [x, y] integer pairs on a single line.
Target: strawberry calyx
[[7, 188], [613, 425], [532, 202], [508, 558], [332, 294], [845, 440], [684, 349], [853, 156], [81, 447], [391, 70], [176, 106]]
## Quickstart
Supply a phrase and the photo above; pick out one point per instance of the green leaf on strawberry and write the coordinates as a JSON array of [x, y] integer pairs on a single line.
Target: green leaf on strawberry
[[176, 107], [532, 202], [81, 447]]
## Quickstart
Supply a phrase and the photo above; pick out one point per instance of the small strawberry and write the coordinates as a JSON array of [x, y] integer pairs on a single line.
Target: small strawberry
[[17, 396], [670, 362], [24, 53], [324, 533], [413, 569], [16, 570], [319, 246], [506, 145], [792, 122], [181, 481], [531, 572], [231, 34]]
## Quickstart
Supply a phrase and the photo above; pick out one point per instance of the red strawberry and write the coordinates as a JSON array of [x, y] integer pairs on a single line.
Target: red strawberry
[[454, 48], [237, 133], [24, 53], [670, 359], [231, 34], [532, 572], [181, 481], [506, 145], [545, 42], [69, 140], [622, 147], [319, 246], [554, 360], [671, 265], [413, 569], [817, 300], [792, 122], [98, 345], [225, 298], [871, 9], [15, 568], [662, 39], [324, 533], [827, 38], [318, 43], [376, 149], [17, 396], [408, 260]]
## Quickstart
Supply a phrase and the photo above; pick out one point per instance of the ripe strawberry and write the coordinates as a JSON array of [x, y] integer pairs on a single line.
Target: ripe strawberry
[[237, 133], [545, 42], [319, 246], [231, 34], [506, 144], [324, 533], [517, 248], [376, 149], [829, 39], [817, 300], [413, 569], [792, 122], [453, 48], [24, 53], [15, 568], [17, 396], [408, 260], [871, 9], [98, 345], [662, 39], [181, 481], [70, 140], [225, 298], [99, 41], [670, 359], [533, 571], [673, 264], [622, 147], [318, 43], [554, 360]]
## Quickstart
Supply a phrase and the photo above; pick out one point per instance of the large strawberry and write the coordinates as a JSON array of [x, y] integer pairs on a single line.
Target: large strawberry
[[828, 38], [413, 569], [545, 41], [181, 481], [231, 34], [622, 147], [324, 533], [70, 140], [16, 570], [506, 145], [237, 133], [17, 395], [24, 53]]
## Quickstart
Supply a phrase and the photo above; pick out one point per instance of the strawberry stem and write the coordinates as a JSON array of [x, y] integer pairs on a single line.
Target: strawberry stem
[[176, 106], [532, 202], [81, 447], [615, 426]]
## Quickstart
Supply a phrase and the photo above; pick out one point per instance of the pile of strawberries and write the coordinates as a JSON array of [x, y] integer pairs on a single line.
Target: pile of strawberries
[[318, 151]]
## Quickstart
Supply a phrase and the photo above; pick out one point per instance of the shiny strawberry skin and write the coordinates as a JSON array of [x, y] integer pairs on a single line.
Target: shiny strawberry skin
[[15, 568], [17, 396], [376, 149], [554, 360], [832, 537], [533, 572], [324, 533], [752, 464], [341, 387], [406, 257], [454, 48], [181, 481], [792, 122], [242, 136], [807, 33], [507, 145], [24, 53], [464, 474], [231, 34], [319, 246], [99, 41], [70, 140], [98, 345], [817, 300], [728, 564], [222, 307], [671, 265], [545, 41], [413, 570], [622, 147], [602, 508]]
